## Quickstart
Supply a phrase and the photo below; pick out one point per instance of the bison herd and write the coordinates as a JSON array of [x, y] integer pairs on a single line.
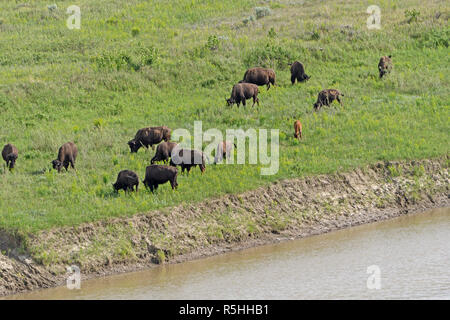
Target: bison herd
[[155, 174]]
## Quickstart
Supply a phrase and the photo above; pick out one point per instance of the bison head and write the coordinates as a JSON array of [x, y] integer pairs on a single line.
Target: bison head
[[134, 145], [116, 187], [57, 165], [316, 106], [11, 158], [306, 77], [230, 101]]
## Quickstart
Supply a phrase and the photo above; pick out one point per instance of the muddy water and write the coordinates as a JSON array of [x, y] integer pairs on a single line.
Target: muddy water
[[412, 253]]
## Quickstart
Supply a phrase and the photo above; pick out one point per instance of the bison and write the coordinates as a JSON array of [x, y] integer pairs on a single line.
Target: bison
[[148, 137], [163, 151], [298, 72], [158, 174], [243, 91], [385, 65], [224, 150], [298, 130], [67, 154], [259, 76], [10, 155], [188, 158], [326, 97], [126, 180]]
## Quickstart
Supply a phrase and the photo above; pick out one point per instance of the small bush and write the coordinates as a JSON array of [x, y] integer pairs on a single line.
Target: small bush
[[213, 42], [261, 12], [435, 39], [412, 15], [135, 31], [248, 19], [147, 55], [270, 55], [272, 34]]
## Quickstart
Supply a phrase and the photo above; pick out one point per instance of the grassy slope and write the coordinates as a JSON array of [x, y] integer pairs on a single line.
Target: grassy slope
[[55, 87]]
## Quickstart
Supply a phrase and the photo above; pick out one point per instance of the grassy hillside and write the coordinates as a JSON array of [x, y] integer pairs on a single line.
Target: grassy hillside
[[147, 63]]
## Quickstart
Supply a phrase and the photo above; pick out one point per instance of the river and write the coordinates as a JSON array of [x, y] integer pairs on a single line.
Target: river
[[411, 253]]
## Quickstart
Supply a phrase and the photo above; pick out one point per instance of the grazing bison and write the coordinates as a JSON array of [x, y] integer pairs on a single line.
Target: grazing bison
[[326, 97], [298, 129], [188, 158], [10, 155], [224, 150], [385, 65], [298, 72], [126, 180], [67, 154], [163, 151], [243, 91], [158, 174], [259, 76], [148, 137]]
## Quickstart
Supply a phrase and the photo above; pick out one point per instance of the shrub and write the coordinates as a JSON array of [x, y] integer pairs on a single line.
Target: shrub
[[261, 12], [412, 15], [213, 42], [435, 39], [147, 55], [135, 31], [270, 55], [272, 34], [248, 19]]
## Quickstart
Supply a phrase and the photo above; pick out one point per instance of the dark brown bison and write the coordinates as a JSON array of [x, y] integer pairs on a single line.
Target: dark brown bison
[[163, 151], [243, 91], [188, 158], [326, 97], [126, 180], [157, 174], [298, 130], [385, 65], [10, 155], [259, 76], [298, 72], [224, 150], [148, 137], [67, 154]]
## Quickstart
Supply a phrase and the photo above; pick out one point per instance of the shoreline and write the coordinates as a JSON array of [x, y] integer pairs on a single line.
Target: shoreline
[[284, 210]]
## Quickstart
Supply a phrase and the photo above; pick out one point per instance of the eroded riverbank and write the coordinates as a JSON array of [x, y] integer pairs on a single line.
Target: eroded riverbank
[[284, 210], [412, 253]]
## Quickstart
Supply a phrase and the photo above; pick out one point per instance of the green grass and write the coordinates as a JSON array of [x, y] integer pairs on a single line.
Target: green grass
[[148, 63]]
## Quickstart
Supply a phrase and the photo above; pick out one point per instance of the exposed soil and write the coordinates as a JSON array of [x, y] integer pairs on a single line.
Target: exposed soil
[[284, 210]]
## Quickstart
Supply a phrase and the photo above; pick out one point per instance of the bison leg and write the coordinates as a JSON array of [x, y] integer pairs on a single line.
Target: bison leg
[[293, 77], [72, 163]]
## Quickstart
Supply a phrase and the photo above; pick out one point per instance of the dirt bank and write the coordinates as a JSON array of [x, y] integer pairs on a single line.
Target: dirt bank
[[283, 210]]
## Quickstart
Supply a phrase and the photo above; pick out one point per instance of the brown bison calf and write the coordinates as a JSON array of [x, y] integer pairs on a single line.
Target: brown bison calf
[[224, 150], [126, 180], [148, 137], [163, 151], [158, 174], [298, 72], [243, 91], [10, 155], [259, 76], [298, 129], [67, 154], [385, 65], [326, 97], [188, 158]]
